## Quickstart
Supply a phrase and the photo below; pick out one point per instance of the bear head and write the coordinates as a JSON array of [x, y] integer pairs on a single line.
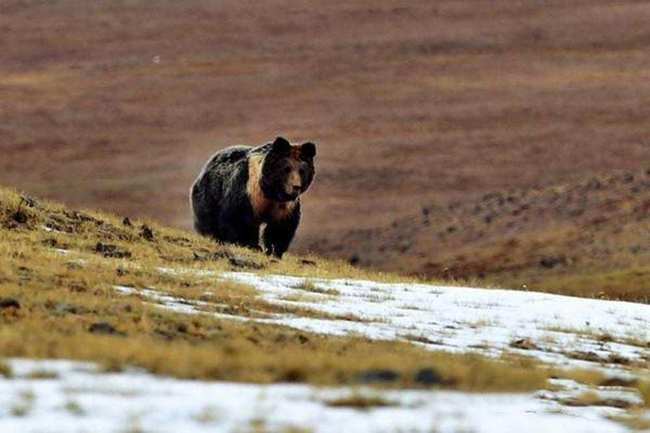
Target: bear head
[[288, 170]]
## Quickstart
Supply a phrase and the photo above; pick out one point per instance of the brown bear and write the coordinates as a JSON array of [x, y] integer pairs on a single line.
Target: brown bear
[[243, 188]]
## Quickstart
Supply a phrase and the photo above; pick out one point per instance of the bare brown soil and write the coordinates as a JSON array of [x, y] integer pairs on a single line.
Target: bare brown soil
[[414, 105], [589, 238]]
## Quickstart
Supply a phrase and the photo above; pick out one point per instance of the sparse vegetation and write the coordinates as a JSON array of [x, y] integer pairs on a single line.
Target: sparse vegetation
[[5, 369], [300, 297], [74, 408], [634, 421], [133, 425], [310, 286], [592, 248], [632, 340], [644, 391], [360, 400], [207, 415], [420, 339], [23, 404], [296, 429], [256, 425], [63, 295], [592, 398], [42, 374], [580, 375]]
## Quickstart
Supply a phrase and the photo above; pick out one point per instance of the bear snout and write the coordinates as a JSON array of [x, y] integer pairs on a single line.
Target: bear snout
[[293, 191]]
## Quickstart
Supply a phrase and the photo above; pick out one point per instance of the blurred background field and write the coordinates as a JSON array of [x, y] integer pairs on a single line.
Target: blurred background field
[[500, 141]]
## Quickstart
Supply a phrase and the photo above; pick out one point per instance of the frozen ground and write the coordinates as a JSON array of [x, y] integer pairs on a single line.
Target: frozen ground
[[557, 329], [611, 336], [567, 331], [78, 398]]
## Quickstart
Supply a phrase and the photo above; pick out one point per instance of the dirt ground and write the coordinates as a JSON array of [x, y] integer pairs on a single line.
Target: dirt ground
[[117, 105]]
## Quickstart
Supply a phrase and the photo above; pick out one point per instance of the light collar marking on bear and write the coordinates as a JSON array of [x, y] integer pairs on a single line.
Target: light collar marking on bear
[[263, 207]]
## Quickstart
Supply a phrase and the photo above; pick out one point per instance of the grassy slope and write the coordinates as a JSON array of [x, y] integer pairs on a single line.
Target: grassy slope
[[587, 238], [62, 295], [410, 102]]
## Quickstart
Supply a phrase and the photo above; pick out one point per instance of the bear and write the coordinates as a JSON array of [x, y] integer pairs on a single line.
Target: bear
[[243, 189]]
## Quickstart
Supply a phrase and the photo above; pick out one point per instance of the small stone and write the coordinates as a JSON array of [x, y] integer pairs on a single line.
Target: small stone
[[63, 308], [20, 217], [428, 376], [103, 328], [293, 375], [9, 303], [113, 251], [524, 344], [244, 262], [146, 233], [378, 376], [552, 261]]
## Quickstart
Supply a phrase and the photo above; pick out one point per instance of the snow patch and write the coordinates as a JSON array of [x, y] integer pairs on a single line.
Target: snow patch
[[560, 330], [80, 399]]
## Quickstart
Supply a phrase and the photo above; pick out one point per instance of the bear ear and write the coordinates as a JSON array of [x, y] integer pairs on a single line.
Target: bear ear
[[308, 150], [281, 145]]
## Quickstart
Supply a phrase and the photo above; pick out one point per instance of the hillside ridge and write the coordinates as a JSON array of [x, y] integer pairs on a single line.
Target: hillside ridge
[[532, 237]]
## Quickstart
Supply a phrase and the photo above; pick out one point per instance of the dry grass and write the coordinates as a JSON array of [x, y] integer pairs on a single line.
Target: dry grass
[[259, 425], [63, 297], [5, 369], [644, 391], [591, 398], [42, 374], [74, 408], [310, 286], [424, 104], [623, 284], [358, 400], [631, 340], [23, 404], [587, 377], [635, 421]]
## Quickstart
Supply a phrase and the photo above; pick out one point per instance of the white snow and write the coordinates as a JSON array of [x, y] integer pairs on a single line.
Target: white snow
[[469, 319], [81, 399], [564, 330], [457, 319]]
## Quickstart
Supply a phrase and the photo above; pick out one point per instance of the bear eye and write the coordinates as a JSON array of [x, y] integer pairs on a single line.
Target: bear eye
[[302, 172], [287, 170]]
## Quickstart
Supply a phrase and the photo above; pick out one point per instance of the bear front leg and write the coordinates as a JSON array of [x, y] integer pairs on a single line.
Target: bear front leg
[[279, 234], [240, 229]]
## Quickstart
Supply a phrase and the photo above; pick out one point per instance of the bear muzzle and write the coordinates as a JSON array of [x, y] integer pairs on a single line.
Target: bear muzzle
[[293, 192]]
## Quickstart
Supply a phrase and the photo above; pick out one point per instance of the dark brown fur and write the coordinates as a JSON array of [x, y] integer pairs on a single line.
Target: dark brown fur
[[242, 189]]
